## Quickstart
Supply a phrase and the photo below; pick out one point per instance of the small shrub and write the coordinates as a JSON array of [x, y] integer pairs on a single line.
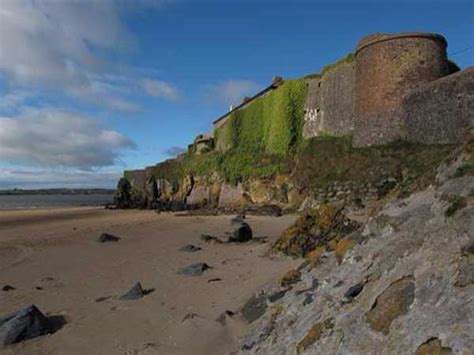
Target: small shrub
[[464, 169], [457, 203]]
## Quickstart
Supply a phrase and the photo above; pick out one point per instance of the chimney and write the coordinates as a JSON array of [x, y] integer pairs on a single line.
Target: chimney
[[245, 99], [277, 80]]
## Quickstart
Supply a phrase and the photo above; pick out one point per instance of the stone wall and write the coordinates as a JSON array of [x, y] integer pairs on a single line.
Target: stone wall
[[388, 66], [442, 111], [329, 107]]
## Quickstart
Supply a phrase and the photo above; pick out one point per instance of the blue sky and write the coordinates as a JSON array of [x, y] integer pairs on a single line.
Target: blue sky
[[90, 88]]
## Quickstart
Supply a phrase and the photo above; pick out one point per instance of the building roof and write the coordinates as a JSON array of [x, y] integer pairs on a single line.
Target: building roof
[[244, 103]]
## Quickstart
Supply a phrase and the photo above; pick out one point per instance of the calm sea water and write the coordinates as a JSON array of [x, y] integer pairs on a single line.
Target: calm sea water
[[10, 202]]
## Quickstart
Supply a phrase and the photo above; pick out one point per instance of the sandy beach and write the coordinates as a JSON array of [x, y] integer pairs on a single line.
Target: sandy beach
[[53, 260]]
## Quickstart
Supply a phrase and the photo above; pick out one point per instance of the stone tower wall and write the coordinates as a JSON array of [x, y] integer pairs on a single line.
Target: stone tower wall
[[387, 68]]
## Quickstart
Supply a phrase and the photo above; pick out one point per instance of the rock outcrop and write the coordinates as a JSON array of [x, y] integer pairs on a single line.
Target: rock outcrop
[[405, 286]]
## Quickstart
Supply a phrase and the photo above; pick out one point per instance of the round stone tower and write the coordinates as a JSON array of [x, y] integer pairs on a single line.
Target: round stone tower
[[387, 67]]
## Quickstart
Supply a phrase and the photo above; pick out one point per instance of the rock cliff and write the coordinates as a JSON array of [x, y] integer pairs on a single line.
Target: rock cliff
[[403, 285]]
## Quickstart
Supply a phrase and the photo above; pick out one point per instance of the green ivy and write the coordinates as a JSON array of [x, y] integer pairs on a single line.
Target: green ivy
[[272, 124]]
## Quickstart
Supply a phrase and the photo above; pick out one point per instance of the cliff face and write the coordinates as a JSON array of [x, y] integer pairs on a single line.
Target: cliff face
[[401, 284], [323, 169]]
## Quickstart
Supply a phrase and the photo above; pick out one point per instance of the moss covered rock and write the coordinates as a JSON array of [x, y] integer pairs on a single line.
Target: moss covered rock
[[317, 228]]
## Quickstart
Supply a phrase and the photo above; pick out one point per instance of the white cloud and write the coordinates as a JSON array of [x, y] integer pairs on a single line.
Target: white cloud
[[54, 42], [160, 89], [65, 46], [231, 91], [59, 138]]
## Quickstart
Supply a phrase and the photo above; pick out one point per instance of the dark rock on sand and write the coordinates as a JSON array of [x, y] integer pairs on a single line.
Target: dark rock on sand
[[135, 293], [210, 239], [7, 288], [189, 316], [102, 299], [189, 248], [223, 316], [24, 324], [105, 237], [194, 269], [242, 234], [216, 279], [254, 308]]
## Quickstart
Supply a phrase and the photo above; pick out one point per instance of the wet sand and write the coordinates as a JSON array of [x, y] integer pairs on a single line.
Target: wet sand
[[54, 261]]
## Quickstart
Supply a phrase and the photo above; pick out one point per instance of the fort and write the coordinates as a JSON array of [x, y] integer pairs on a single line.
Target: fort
[[393, 88]]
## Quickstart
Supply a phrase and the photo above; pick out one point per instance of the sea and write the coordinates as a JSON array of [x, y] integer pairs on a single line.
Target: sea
[[17, 202]]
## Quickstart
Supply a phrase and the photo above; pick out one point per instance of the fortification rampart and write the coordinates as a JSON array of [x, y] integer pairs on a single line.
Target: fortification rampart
[[387, 68], [329, 107], [441, 112]]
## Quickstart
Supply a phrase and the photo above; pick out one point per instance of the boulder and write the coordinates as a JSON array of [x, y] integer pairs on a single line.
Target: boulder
[[194, 269], [24, 324], [189, 248], [242, 234], [105, 237], [135, 293]]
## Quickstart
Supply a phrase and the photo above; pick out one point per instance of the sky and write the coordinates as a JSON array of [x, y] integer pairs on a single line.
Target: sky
[[91, 88]]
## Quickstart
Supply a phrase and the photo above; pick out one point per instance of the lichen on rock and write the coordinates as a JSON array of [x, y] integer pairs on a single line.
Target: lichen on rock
[[433, 347], [316, 332], [391, 304], [315, 229]]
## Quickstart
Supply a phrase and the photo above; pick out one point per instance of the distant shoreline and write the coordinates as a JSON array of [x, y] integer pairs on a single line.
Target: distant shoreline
[[56, 191], [44, 199]]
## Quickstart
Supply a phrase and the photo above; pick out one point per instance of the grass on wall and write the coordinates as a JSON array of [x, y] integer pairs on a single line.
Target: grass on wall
[[322, 160], [272, 124], [346, 59]]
